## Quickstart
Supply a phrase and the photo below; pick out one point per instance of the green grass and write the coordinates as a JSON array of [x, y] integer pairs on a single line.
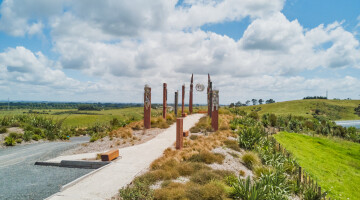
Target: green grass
[[333, 162], [334, 109], [90, 117]]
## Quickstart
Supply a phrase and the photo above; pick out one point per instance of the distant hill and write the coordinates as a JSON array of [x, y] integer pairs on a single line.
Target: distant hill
[[331, 109]]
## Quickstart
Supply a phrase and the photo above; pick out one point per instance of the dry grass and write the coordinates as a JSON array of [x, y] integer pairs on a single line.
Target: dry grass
[[232, 144], [207, 157], [139, 125], [122, 132], [251, 159], [203, 125], [204, 183], [213, 190]]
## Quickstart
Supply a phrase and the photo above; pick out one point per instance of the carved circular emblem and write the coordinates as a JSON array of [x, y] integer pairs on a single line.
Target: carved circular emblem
[[200, 87]]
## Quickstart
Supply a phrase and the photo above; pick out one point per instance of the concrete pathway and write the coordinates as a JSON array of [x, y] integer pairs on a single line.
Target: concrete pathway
[[105, 183]]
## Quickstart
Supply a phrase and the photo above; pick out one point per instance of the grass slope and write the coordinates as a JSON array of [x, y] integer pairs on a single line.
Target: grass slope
[[334, 163], [334, 109]]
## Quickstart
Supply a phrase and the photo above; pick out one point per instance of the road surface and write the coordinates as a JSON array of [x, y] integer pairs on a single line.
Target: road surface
[[21, 179]]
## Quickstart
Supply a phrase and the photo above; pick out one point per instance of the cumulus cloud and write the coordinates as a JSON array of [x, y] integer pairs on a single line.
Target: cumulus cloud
[[126, 44], [25, 17], [21, 65]]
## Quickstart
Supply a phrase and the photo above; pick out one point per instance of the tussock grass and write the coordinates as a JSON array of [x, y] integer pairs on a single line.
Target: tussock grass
[[122, 132], [251, 159], [232, 144], [191, 162], [203, 125], [207, 157], [211, 191]]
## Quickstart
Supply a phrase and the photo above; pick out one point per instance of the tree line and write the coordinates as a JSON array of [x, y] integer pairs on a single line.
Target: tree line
[[252, 102], [64, 105], [315, 97]]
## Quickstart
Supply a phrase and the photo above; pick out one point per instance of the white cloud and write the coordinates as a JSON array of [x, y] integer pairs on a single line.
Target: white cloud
[[125, 44], [21, 17], [21, 65]]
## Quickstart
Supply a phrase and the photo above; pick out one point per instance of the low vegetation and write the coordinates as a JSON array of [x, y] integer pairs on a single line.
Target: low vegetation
[[191, 164], [329, 109], [334, 163], [203, 126]]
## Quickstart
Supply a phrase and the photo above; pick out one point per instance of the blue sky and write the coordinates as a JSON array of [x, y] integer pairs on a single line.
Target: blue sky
[[106, 51]]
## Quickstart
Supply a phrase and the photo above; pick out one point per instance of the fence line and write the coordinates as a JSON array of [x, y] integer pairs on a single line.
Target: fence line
[[303, 177]]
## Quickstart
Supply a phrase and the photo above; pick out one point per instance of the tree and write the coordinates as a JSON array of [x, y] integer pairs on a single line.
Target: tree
[[270, 101], [232, 105], [261, 101], [238, 104], [254, 101], [247, 102]]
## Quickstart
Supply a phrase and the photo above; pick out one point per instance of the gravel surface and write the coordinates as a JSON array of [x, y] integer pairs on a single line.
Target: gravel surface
[[21, 179], [104, 144], [232, 162]]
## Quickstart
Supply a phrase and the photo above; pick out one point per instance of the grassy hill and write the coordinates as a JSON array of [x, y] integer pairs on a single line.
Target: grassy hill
[[333, 162], [332, 109]]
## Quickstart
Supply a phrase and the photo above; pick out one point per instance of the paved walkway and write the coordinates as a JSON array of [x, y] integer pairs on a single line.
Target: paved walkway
[[106, 182]]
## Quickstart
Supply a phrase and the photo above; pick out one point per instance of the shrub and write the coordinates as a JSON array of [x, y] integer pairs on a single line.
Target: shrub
[[3, 130], [207, 157], [272, 119], [275, 185], [311, 193], [15, 135], [9, 141], [171, 191], [246, 190], [18, 141], [37, 131], [213, 190], [250, 160], [250, 137], [254, 115], [137, 191], [205, 176], [260, 170], [36, 137], [27, 135], [193, 137]]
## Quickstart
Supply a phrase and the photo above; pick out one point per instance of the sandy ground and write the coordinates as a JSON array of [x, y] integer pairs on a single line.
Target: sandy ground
[[106, 143]]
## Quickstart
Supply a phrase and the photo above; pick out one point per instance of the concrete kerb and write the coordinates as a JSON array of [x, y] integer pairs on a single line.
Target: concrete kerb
[[64, 187], [82, 177], [75, 164]]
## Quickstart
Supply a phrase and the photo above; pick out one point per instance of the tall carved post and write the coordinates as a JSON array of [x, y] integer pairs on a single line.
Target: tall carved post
[[179, 133], [183, 102], [210, 100], [191, 95], [164, 99], [215, 110], [176, 102], [147, 107], [208, 96]]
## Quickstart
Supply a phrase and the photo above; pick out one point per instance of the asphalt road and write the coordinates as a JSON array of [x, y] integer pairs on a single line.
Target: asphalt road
[[21, 179]]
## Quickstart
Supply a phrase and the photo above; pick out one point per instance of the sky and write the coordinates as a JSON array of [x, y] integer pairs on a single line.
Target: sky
[[106, 51]]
